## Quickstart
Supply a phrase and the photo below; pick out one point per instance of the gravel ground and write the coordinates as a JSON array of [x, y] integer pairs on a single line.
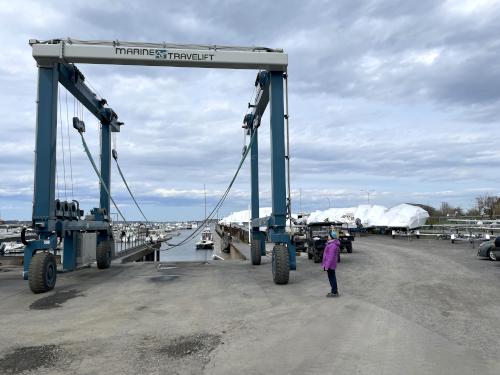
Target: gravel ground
[[407, 307]]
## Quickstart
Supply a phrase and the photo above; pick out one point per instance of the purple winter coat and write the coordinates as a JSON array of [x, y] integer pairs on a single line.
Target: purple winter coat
[[331, 254]]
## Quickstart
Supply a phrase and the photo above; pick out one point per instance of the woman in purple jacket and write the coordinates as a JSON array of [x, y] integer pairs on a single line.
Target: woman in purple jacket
[[330, 256]]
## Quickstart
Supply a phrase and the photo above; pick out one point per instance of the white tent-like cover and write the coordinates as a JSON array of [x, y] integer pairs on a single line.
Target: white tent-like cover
[[344, 215], [401, 216], [404, 216], [243, 217]]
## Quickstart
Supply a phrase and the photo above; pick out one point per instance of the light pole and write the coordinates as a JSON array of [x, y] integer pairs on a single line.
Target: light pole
[[300, 200], [329, 205], [368, 192]]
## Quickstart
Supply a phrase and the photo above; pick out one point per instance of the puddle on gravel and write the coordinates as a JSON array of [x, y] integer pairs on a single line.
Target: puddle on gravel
[[55, 300], [163, 266], [184, 346], [163, 278], [30, 358]]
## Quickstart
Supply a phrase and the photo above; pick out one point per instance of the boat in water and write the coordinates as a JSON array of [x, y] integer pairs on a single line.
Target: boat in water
[[207, 237], [207, 240]]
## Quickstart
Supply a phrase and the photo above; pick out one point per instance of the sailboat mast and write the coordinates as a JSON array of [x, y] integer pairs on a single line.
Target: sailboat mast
[[205, 193]]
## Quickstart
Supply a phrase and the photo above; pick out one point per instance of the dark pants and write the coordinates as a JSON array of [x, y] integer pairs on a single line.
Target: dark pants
[[333, 280]]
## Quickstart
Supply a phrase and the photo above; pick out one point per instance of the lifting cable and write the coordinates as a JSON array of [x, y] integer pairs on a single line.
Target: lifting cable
[[221, 200], [210, 216], [91, 159], [115, 156], [89, 155], [217, 206]]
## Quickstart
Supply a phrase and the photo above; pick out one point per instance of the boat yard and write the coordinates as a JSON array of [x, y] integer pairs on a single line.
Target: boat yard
[[228, 317], [250, 188]]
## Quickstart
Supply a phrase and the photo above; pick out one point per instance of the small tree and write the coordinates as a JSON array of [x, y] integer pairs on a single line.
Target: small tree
[[488, 205], [473, 211]]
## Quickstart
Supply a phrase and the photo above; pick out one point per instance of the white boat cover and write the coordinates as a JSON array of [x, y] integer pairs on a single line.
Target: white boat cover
[[344, 215], [374, 216], [243, 217], [401, 216], [404, 216]]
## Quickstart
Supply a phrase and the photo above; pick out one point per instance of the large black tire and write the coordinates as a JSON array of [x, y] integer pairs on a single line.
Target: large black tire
[[348, 247], [255, 252], [103, 255], [42, 272], [281, 264]]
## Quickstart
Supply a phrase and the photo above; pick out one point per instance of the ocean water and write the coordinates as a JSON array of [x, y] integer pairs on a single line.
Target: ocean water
[[186, 252]]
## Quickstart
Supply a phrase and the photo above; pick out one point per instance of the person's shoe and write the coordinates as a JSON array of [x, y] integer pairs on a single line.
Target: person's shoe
[[333, 295]]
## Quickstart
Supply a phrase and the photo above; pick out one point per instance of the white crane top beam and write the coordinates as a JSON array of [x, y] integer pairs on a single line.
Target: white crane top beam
[[49, 52]]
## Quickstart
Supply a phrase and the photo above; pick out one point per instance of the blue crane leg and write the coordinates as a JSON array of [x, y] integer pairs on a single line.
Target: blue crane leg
[[105, 166], [45, 151], [45, 163], [254, 172], [278, 172], [104, 202], [278, 183]]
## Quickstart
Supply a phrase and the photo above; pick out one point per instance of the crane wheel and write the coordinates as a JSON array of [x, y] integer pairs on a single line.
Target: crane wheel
[[42, 272], [281, 264], [255, 252], [103, 255]]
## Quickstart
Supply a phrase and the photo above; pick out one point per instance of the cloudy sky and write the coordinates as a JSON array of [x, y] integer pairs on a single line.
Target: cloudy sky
[[399, 98]]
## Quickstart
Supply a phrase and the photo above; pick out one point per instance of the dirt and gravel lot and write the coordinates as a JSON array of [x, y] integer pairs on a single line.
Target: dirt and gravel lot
[[407, 307]]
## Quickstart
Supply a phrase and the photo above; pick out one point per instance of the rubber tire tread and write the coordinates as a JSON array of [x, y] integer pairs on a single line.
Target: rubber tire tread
[[255, 252], [103, 257], [37, 272], [281, 265]]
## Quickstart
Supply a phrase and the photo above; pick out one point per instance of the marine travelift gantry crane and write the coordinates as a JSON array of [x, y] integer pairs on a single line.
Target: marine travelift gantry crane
[[55, 220]]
